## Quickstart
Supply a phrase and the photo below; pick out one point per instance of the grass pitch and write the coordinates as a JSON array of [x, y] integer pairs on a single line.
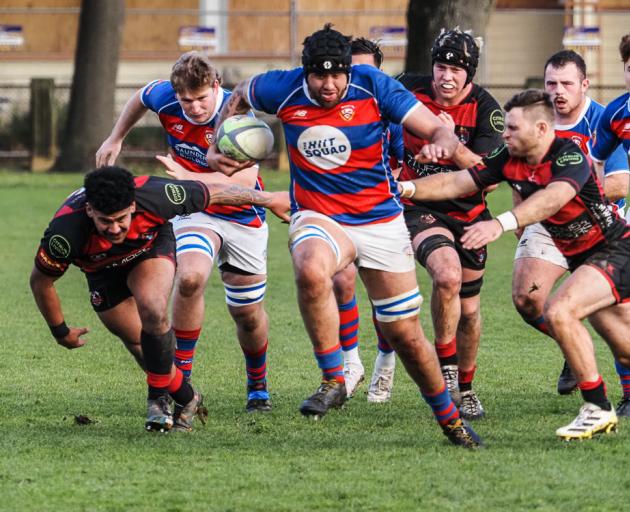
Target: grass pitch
[[365, 457]]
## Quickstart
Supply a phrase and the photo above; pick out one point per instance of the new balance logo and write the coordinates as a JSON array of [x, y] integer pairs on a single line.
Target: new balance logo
[[300, 113]]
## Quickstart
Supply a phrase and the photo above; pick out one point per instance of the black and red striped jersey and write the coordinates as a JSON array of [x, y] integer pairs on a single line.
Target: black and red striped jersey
[[582, 223], [479, 124], [72, 238]]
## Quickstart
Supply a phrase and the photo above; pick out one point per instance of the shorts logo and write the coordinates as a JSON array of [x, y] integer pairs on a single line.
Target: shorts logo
[[426, 218], [176, 194], [96, 298], [569, 159], [209, 136], [59, 246], [324, 146], [347, 112], [497, 121], [327, 64], [496, 152]]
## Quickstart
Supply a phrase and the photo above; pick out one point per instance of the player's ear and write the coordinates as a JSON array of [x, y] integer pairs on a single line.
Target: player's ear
[[133, 207], [89, 211]]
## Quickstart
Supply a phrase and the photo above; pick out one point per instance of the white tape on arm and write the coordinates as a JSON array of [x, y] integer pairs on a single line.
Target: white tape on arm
[[407, 188], [508, 221]]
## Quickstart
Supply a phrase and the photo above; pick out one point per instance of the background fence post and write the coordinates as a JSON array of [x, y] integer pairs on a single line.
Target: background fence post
[[43, 124]]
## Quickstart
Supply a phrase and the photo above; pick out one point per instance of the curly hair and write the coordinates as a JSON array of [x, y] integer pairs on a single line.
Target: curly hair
[[109, 189], [192, 71]]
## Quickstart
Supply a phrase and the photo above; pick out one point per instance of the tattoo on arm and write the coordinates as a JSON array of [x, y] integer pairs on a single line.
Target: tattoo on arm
[[235, 195], [236, 104]]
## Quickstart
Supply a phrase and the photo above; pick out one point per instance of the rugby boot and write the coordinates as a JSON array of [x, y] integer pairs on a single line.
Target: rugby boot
[[470, 407], [330, 394], [159, 417], [450, 374], [354, 374], [184, 415], [258, 398], [460, 433], [591, 420], [380, 388], [567, 383], [623, 408]]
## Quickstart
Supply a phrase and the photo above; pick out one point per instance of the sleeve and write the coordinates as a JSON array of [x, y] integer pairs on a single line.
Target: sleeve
[[396, 144], [267, 91], [154, 93], [395, 102], [490, 125], [168, 198], [490, 170], [57, 248], [617, 163], [572, 167], [605, 139]]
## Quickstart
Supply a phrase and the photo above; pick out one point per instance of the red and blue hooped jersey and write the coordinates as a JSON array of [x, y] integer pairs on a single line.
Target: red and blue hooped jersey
[[613, 128], [338, 156], [582, 133], [189, 142]]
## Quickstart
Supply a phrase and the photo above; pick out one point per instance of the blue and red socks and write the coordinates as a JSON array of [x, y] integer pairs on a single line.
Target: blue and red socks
[[349, 330], [185, 344], [443, 407], [256, 369], [330, 361], [624, 378]]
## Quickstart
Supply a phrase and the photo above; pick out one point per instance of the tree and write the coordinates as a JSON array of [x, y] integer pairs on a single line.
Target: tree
[[425, 18], [91, 108]]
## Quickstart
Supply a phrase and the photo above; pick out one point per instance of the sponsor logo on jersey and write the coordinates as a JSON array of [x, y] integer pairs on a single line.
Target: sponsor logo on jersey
[[176, 194], [324, 146], [569, 159], [59, 246], [44, 260], [462, 134], [300, 113], [496, 151], [148, 90], [347, 112], [96, 298], [626, 127], [178, 127], [209, 136], [578, 140], [191, 153], [497, 121], [98, 257]]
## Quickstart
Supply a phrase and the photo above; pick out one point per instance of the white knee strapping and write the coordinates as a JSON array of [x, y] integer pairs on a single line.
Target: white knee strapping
[[239, 296], [192, 241], [396, 308], [309, 231]]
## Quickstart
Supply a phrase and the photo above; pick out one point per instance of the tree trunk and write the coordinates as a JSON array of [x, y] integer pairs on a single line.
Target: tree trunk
[[91, 108], [425, 18]]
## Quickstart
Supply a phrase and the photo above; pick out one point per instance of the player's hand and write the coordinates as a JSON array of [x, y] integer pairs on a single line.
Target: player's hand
[[217, 161], [431, 153], [447, 120], [108, 153], [73, 339], [173, 169], [280, 205], [481, 233]]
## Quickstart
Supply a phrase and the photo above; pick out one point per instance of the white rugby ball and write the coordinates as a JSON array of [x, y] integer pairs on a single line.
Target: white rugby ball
[[245, 138]]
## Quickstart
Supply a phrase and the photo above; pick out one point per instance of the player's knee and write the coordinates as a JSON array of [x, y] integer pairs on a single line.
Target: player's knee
[[527, 305], [189, 284], [248, 319], [154, 320], [447, 282], [557, 316], [312, 280], [470, 317]]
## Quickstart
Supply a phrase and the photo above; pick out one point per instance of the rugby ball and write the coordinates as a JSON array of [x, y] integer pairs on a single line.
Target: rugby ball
[[244, 138]]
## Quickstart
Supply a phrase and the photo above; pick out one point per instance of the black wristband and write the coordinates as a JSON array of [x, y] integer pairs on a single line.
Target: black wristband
[[59, 331]]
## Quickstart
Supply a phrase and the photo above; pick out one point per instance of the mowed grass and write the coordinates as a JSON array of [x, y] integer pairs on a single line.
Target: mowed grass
[[364, 457]]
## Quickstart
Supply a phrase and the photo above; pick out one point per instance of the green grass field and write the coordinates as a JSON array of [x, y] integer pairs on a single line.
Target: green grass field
[[364, 457]]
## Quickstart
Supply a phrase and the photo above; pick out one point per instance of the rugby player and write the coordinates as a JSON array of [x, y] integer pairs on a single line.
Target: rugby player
[[614, 129], [233, 237], [436, 227], [116, 230], [346, 208], [367, 52], [538, 262], [560, 189]]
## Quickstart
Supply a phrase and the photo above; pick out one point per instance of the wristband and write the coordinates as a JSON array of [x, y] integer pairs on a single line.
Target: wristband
[[59, 331], [407, 188], [508, 221]]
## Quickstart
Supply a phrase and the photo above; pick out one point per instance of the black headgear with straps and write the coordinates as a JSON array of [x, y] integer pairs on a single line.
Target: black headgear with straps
[[456, 48], [327, 51]]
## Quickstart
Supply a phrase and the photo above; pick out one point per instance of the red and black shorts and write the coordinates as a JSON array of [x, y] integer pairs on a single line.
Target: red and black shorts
[[612, 259], [419, 219], [108, 287]]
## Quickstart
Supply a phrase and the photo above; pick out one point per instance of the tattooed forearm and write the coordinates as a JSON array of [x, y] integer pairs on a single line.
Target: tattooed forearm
[[236, 103], [235, 195]]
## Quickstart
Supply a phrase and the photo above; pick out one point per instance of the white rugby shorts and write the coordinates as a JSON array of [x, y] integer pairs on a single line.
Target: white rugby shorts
[[536, 242], [381, 246], [242, 246]]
